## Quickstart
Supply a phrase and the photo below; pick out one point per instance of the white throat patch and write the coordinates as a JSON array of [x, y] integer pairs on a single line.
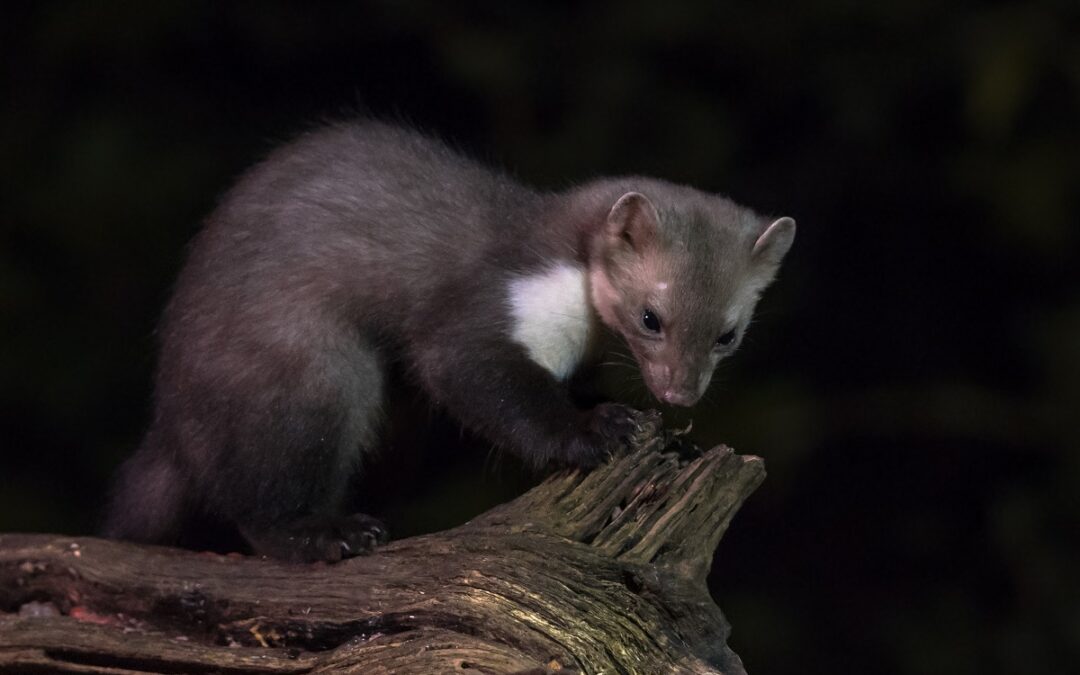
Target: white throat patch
[[552, 317]]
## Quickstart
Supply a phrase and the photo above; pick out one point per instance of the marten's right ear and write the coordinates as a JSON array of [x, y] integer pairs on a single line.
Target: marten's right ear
[[633, 222]]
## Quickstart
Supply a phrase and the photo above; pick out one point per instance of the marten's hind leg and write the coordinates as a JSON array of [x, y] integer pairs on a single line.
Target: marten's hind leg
[[299, 445]]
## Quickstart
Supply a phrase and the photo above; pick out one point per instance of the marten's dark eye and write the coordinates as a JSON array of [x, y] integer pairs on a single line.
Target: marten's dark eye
[[650, 321], [727, 338]]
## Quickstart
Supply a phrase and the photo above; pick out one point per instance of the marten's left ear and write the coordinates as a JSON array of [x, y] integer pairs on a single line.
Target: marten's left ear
[[774, 242], [633, 222]]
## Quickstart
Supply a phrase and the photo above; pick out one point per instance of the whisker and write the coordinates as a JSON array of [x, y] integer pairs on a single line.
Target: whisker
[[620, 364]]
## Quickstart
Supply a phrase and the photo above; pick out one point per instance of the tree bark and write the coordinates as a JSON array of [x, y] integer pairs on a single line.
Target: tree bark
[[598, 572]]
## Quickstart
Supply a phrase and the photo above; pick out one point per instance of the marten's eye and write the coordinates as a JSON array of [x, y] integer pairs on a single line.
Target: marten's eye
[[650, 321], [727, 338]]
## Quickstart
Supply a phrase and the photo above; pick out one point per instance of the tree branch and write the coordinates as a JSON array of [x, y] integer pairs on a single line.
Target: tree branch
[[596, 572]]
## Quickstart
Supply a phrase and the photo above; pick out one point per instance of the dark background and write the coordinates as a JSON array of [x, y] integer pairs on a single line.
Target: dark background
[[912, 380]]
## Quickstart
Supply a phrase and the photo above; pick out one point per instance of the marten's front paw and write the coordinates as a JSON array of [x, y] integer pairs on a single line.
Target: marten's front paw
[[325, 539], [610, 429], [614, 425]]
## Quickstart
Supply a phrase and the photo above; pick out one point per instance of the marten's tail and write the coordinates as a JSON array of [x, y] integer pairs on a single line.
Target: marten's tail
[[148, 499]]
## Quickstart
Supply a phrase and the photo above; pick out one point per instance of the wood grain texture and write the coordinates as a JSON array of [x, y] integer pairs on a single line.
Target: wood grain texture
[[599, 572]]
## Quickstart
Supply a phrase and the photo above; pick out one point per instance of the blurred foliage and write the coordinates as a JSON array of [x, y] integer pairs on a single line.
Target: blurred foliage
[[912, 379]]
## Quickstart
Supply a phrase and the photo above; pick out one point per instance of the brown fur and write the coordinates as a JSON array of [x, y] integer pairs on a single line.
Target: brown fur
[[360, 245]]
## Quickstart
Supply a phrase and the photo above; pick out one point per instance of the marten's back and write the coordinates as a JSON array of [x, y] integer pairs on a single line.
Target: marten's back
[[353, 213]]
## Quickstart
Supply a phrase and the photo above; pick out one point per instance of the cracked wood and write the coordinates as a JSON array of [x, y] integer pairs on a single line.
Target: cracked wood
[[599, 572]]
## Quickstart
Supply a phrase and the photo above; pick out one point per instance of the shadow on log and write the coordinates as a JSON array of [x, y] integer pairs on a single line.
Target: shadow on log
[[599, 572]]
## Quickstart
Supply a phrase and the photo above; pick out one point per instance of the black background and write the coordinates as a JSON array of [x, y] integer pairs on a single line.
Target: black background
[[912, 380]]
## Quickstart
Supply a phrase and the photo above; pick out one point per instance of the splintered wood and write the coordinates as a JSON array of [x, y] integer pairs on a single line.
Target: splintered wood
[[597, 572]]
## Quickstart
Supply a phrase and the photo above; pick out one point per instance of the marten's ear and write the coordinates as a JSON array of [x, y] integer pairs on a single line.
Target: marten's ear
[[633, 222], [774, 242]]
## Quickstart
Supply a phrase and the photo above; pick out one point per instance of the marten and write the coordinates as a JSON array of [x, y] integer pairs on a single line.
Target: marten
[[361, 245]]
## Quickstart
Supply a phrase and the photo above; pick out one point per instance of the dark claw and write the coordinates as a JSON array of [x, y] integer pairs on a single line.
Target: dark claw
[[325, 539], [610, 430]]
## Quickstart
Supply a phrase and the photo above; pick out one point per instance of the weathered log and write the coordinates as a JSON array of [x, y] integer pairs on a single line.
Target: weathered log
[[598, 572]]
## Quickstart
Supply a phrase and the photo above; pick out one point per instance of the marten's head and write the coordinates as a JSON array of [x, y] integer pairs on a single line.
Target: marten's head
[[678, 276]]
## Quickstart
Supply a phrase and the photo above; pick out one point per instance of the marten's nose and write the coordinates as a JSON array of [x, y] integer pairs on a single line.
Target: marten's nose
[[678, 398]]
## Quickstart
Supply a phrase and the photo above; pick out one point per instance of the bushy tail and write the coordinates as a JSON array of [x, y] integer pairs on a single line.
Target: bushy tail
[[148, 498]]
